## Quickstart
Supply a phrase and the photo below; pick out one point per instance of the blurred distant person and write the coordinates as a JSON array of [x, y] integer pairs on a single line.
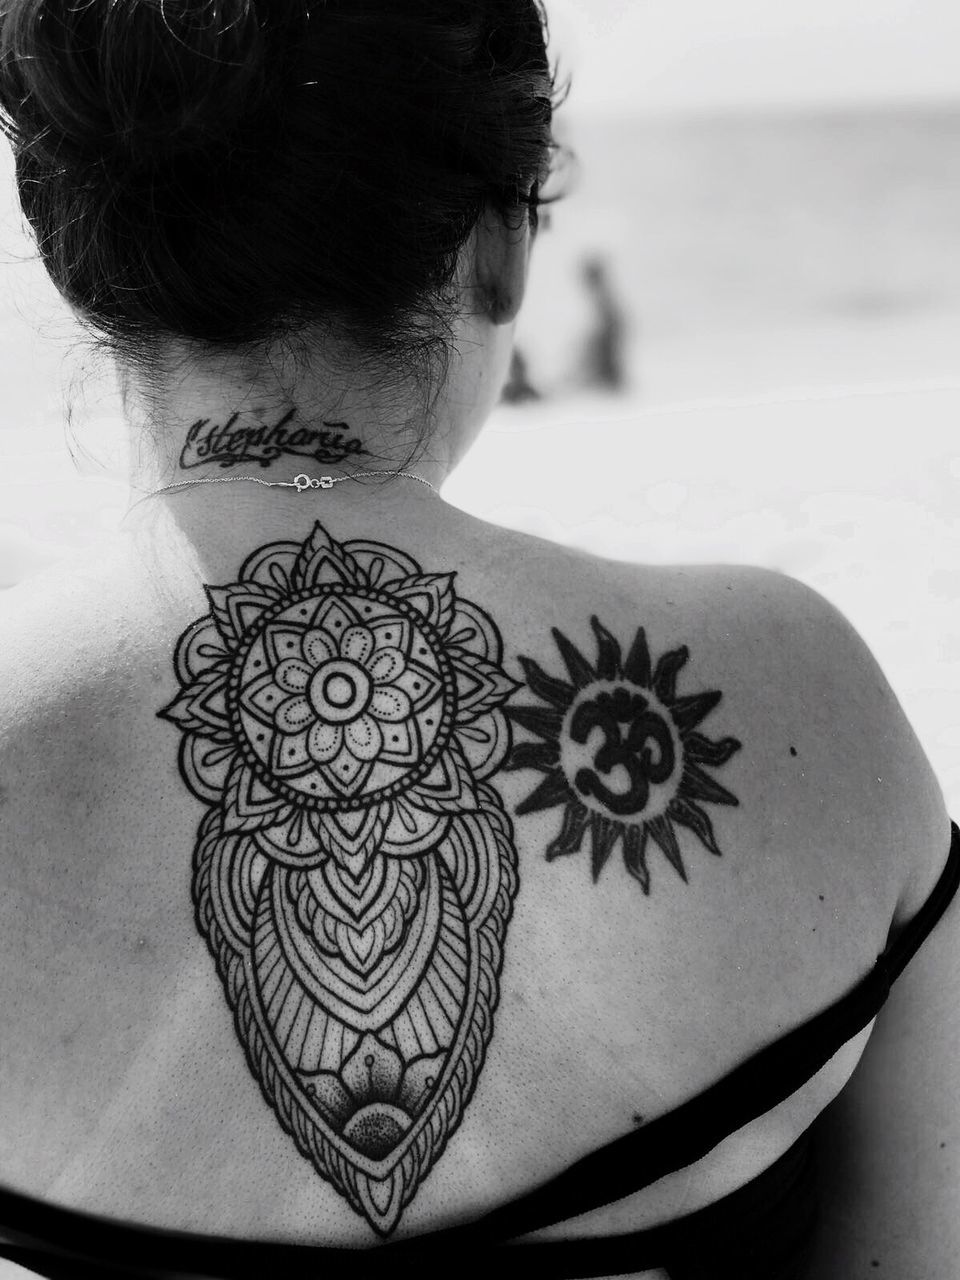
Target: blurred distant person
[[603, 358], [519, 387]]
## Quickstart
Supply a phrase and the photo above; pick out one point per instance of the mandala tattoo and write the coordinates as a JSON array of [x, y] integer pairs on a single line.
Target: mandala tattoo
[[620, 751], [355, 871]]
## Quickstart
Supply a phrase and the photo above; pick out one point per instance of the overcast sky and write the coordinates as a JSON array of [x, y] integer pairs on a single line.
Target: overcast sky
[[690, 55]]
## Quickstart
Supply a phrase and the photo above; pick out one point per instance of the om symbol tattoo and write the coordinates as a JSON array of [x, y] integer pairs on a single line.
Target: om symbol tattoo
[[620, 751], [608, 712]]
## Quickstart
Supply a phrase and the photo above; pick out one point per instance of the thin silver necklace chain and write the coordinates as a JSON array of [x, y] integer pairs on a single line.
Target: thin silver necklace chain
[[299, 482]]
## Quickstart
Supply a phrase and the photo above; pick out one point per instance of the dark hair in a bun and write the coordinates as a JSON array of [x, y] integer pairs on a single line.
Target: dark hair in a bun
[[236, 173]]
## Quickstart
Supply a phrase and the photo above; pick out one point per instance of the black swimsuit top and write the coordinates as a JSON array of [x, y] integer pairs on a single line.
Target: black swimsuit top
[[759, 1232]]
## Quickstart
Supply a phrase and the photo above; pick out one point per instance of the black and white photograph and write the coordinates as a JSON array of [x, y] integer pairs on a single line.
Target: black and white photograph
[[479, 640]]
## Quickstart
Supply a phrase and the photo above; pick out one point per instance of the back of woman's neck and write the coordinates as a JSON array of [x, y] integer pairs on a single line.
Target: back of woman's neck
[[217, 437]]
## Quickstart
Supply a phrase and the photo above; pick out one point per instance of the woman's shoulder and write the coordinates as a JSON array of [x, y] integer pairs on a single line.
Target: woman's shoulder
[[778, 727], [89, 636], [72, 640], [80, 631]]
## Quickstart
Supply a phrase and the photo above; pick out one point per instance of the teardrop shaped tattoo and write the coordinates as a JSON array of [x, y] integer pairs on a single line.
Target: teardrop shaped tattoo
[[620, 752], [355, 871]]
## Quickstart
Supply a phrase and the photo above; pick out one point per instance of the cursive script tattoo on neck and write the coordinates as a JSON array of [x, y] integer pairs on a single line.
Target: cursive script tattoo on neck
[[229, 444]]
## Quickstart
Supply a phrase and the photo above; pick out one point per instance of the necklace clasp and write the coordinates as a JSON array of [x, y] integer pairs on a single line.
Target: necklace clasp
[[303, 481]]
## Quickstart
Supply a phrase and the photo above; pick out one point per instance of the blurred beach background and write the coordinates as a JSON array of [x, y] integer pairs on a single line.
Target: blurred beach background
[[741, 341]]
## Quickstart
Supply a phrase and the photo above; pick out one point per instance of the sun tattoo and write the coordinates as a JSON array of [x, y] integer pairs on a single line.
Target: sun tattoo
[[355, 871], [620, 751]]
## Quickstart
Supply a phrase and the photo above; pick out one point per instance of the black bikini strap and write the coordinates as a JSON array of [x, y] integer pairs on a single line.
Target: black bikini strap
[[610, 1173], [690, 1131]]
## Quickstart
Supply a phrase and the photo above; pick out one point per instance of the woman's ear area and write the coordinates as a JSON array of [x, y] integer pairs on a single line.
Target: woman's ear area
[[501, 262]]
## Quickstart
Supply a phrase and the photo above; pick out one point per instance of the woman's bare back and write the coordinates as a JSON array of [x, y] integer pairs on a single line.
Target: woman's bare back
[[680, 870]]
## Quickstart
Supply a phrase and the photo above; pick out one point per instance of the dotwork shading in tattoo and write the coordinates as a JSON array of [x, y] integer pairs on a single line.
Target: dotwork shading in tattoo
[[355, 871], [620, 752]]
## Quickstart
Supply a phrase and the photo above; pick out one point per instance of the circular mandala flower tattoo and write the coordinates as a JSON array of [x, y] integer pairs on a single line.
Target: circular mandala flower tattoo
[[621, 752], [343, 699], [355, 872]]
